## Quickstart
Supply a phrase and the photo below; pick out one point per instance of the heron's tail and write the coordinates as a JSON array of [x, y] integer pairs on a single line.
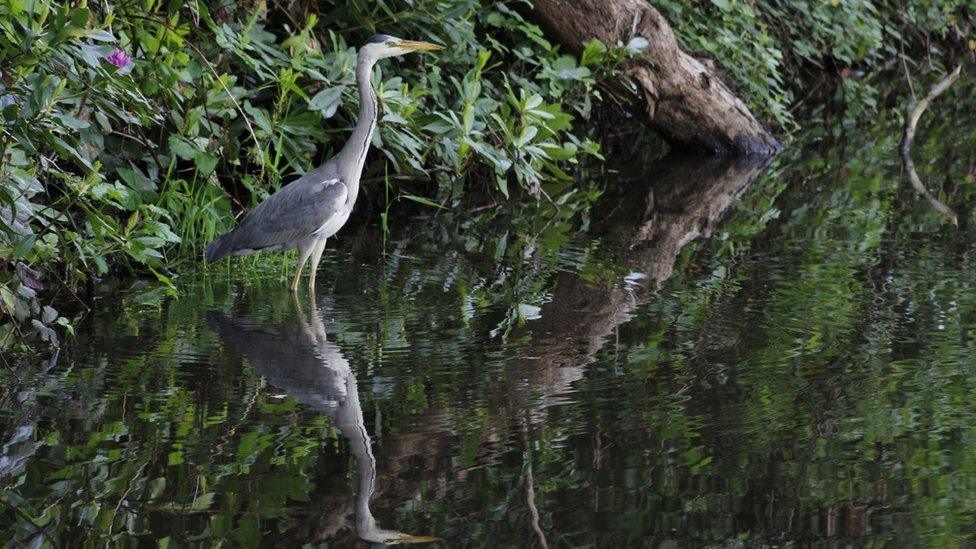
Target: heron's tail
[[221, 247]]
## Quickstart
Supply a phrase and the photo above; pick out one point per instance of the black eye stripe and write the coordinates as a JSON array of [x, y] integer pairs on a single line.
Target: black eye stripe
[[381, 39]]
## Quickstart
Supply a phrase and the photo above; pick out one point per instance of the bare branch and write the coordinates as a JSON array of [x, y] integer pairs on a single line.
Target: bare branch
[[906, 144]]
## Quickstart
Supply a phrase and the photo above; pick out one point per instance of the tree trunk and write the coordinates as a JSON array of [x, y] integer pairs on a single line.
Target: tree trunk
[[685, 102]]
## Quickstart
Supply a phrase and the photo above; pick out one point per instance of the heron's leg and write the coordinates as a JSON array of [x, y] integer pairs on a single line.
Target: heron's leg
[[317, 250], [303, 252]]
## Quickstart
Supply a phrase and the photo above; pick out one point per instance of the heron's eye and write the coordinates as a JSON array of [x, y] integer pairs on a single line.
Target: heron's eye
[[389, 42]]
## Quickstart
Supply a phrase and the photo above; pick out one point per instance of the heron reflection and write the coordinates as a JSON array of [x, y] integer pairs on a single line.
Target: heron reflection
[[299, 360]]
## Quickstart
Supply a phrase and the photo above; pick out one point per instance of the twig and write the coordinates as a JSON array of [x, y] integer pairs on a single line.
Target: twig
[[530, 487], [12, 371], [132, 482], [906, 144], [219, 449], [70, 291], [483, 207], [808, 95], [132, 137], [935, 92], [908, 77]]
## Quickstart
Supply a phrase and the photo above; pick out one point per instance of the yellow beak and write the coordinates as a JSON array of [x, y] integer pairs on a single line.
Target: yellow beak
[[419, 46]]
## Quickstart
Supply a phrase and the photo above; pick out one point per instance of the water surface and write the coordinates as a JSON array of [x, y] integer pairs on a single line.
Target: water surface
[[720, 352]]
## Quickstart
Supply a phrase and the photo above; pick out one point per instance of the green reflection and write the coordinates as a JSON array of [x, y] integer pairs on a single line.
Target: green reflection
[[729, 353], [300, 360]]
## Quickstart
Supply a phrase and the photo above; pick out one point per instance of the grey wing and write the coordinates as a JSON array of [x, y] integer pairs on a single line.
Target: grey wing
[[295, 212]]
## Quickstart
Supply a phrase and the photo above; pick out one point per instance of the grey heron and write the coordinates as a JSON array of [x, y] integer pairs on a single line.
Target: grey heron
[[309, 210]]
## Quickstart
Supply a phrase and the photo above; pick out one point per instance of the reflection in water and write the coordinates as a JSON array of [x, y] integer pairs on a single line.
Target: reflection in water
[[300, 360], [804, 377], [684, 202]]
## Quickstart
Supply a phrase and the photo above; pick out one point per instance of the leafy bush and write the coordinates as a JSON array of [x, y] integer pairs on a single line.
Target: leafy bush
[[118, 165], [110, 164], [774, 49]]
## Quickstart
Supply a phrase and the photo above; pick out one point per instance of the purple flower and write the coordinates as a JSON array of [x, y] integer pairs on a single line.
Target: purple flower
[[119, 59]]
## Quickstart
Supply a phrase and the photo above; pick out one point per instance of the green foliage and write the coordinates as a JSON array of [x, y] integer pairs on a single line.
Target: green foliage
[[774, 51], [108, 168]]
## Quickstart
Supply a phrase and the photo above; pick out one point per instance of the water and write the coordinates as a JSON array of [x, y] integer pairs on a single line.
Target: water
[[721, 353]]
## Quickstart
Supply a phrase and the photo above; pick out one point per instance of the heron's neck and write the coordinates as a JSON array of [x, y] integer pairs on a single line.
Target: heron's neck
[[354, 153]]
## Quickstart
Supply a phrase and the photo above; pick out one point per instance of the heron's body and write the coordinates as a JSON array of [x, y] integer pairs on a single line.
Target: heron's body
[[306, 212]]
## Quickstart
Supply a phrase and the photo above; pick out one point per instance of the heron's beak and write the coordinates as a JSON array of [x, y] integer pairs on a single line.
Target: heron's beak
[[419, 46]]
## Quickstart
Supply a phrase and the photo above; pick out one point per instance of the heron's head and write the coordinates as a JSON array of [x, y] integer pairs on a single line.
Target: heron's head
[[381, 46]]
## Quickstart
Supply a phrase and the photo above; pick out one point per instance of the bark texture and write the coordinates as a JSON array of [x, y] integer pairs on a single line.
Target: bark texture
[[685, 101]]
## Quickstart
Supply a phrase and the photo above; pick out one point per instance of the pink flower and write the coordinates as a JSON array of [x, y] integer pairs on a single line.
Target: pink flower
[[119, 59]]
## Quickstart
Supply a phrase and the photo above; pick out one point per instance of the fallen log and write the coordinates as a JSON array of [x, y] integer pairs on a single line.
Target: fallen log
[[688, 104]]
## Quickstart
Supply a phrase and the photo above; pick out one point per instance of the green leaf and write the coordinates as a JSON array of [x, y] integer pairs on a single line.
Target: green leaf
[[25, 245], [133, 220], [205, 163], [100, 35], [203, 502], [67, 151], [48, 314], [502, 183], [71, 122], [156, 487], [10, 112], [593, 53], [528, 133], [134, 178], [422, 200], [79, 17], [101, 265], [183, 147], [327, 101]]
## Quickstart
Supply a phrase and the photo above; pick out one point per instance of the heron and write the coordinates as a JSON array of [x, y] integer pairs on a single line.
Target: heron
[[309, 210]]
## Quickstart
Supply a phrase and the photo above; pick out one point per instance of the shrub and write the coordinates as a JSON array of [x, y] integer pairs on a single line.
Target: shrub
[[775, 50], [111, 164]]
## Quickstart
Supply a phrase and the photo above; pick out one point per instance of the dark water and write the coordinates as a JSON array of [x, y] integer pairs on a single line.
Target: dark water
[[718, 353]]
